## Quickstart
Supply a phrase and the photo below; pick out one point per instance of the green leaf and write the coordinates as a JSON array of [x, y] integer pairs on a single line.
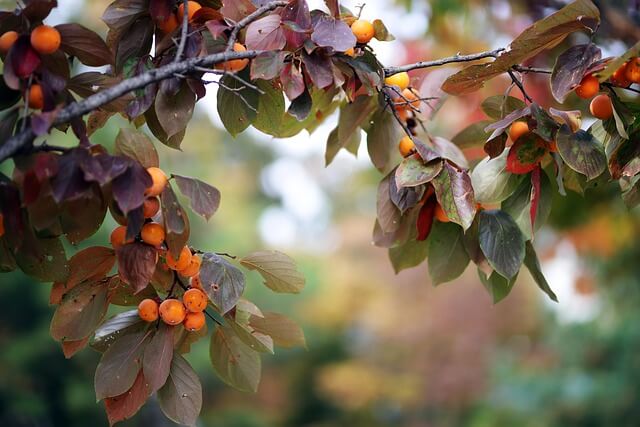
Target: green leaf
[[278, 270], [533, 265], [181, 397], [544, 34], [237, 104], [382, 139], [497, 286], [137, 145], [501, 242], [447, 256], [491, 182], [223, 282], [518, 205], [284, 331], [412, 171], [473, 135], [498, 106], [409, 254], [380, 31], [256, 340], [581, 152], [233, 361], [455, 194], [271, 109], [334, 145]]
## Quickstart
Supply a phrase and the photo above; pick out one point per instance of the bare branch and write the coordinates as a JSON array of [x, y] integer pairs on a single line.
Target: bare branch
[[185, 28], [518, 83], [389, 71], [523, 69]]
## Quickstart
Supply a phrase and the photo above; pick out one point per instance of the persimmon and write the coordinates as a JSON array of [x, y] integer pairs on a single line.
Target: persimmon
[[518, 129], [195, 300], [194, 321], [235, 65], [150, 207], [619, 77], [159, 182], [118, 237], [350, 52], [363, 30], [400, 80], [411, 96], [440, 214], [195, 282], [601, 107], [588, 87], [193, 268], [632, 71], [168, 25], [406, 146], [183, 261], [7, 40], [403, 112], [1, 225], [172, 311], [36, 97], [148, 310], [152, 234], [194, 6], [45, 39]]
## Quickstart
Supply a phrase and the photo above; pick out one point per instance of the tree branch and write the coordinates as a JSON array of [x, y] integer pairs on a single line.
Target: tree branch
[[389, 71], [185, 29]]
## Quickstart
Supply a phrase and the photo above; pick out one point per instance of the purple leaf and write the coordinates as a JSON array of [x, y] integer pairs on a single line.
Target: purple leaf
[[136, 264], [292, 81], [128, 188], [334, 33], [266, 34], [156, 361], [268, 65], [318, 66], [296, 11], [69, 183], [85, 45], [223, 282], [570, 68], [204, 198]]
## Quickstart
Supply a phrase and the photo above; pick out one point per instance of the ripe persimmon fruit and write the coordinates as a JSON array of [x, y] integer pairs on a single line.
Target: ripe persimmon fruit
[[194, 321], [518, 129], [440, 214], [36, 97], [159, 182], [183, 261], [588, 87], [411, 96], [406, 146], [195, 300], [195, 282], [601, 107], [619, 77], [150, 207], [172, 311], [152, 234], [194, 6], [148, 310], [193, 268], [363, 30], [168, 25], [118, 237], [400, 80], [632, 71], [235, 65], [7, 40], [45, 39], [350, 52]]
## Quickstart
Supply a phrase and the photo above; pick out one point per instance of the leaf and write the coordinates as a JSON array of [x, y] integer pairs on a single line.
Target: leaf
[[90, 263], [271, 109], [157, 357], [525, 155], [120, 324], [498, 106], [318, 68], [136, 264], [126, 405], [121, 293], [381, 32], [284, 331], [266, 34], [334, 145], [381, 138], [448, 150], [82, 218], [501, 242], [616, 63], [43, 259], [297, 11], [137, 145], [120, 364], [292, 81], [544, 34], [455, 194], [277, 269], [406, 197], [237, 114], [174, 110], [134, 42], [70, 348], [408, 255], [333, 33], [426, 219], [447, 256], [223, 282], [412, 171], [497, 286], [204, 198], [570, 68], [545, 126], [491, 182], [181, 397], [519, 205], [176, 222], [581, 152], [533, 265], [473, 135], [235, 362], [256, 340], [84, 44], [268, 65], [80, 312], [20, 62], [128, 188]]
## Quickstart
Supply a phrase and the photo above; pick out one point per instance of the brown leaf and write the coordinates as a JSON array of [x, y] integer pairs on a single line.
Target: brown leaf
[[127, 404], [136, 264]]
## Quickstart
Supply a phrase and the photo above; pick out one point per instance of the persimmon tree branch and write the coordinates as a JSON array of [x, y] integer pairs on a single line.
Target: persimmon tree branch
[[389, 71], [184, 31]]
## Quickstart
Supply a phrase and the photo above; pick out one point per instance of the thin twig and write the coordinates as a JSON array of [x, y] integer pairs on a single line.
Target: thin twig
[[47, 148], [389, 71], [185, 28], [523, 69], [226, 254], [389, 103], [518, 83]]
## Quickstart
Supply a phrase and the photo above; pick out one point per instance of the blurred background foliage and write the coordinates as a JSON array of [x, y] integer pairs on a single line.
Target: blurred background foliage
[[384, 350]]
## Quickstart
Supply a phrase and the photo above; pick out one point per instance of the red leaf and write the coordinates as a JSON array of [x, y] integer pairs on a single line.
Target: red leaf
[[266, 34], [85, 45], [136, 264], [70, 348], [156, 362], [292, 81], [90, 263], [128, 403], [297, 11], [425, 218], [21, 61], [535, 196]]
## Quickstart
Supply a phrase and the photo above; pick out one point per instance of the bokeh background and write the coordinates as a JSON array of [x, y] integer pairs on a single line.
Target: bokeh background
[[383, 349]]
